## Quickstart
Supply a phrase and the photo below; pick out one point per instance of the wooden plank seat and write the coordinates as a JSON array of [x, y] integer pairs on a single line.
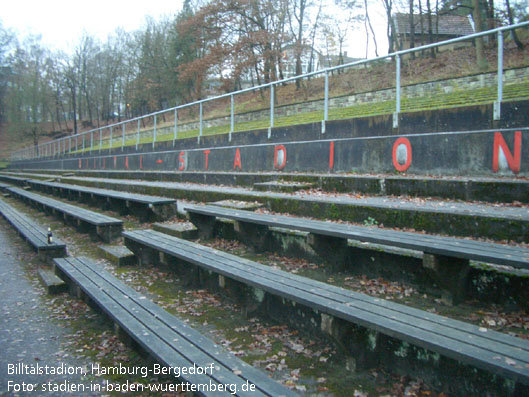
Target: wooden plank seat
[[15, 180], [145, 207], [35, 235], [447, 257], [105, 227], [169, 340], [371, 329]]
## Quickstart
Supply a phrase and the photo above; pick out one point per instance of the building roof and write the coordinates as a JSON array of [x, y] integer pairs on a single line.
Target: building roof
[[449, 25]]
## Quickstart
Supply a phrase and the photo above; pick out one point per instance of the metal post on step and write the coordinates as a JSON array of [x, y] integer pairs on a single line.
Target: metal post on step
[[175, 126], [154, 133], [397, 92], [232, 118], [497, 104], [201, 109], [122, 136], [271, 111], [138, 135], [325, 103]]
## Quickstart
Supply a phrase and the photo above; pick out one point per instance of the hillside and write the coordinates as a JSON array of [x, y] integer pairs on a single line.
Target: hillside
[[360, 79]]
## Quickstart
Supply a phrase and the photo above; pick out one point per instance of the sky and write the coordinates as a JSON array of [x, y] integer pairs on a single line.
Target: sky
[[61, 23]]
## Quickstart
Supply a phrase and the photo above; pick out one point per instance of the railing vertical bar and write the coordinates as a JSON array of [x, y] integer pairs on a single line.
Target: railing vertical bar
[[232, 117], [154, 133], [175, 126], [123, 137], [397, 92], [201, 109], [499, 99], [138, 135]]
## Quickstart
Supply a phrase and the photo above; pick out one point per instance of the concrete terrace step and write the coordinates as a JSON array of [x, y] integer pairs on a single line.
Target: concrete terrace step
[[498, 222], [501, 189]]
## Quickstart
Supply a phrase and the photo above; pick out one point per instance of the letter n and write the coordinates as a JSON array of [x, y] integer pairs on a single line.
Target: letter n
[[280, 157], [512, 161]]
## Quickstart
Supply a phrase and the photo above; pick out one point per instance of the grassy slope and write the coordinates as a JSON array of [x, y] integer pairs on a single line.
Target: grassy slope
[[379, 76]]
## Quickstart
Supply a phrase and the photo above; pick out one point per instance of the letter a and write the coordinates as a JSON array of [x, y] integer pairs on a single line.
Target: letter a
[[237, 161]]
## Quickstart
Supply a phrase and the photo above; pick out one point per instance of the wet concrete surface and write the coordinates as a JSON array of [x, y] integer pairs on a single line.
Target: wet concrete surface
[[32, 351]]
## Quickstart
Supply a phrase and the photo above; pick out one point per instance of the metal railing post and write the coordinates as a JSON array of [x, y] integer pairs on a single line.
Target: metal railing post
[[271, 111], [123, 137], [175, 126], [397, 92], [154, 133], [272, 106], [138, 135], [110, 143], [82, 135], [91, 141], [100, 139], [325, 103], [201, 109], [232, 118], [497, 104]]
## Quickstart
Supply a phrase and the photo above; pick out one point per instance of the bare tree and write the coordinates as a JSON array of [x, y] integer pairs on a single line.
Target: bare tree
[[480, 50], [514, 36]]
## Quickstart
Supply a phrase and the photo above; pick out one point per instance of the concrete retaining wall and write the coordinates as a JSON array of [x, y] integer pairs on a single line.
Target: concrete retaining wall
[[456, 153], [475, 145]]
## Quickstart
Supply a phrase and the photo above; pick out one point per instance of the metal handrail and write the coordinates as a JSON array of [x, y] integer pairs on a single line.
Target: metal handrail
[[53, 148]]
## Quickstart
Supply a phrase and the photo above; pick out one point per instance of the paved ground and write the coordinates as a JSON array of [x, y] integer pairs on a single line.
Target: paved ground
[[28, 335]]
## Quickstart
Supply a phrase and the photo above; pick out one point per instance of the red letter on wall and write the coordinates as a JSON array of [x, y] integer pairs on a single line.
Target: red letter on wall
[[115, 161], [127, 162], [141, 162], [237, 160], [512, 161], [206, 153], [280, 157], [80, 163], [331, 156], [405, 144], [181, 161]]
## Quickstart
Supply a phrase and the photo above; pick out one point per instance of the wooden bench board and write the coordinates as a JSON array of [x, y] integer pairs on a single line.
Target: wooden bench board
[[125, 196], [13, 179], [474, 345], [35, 235], [169, 339], [438, 245], [85, 215]]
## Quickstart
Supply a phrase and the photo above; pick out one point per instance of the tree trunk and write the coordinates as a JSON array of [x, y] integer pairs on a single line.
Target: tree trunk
[[514, 36], [74, 103], [480, 48], [430, 28], [371, 28], [412, 29]]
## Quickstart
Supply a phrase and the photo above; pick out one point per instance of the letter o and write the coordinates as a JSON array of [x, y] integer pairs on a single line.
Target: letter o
[[402, 154]]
